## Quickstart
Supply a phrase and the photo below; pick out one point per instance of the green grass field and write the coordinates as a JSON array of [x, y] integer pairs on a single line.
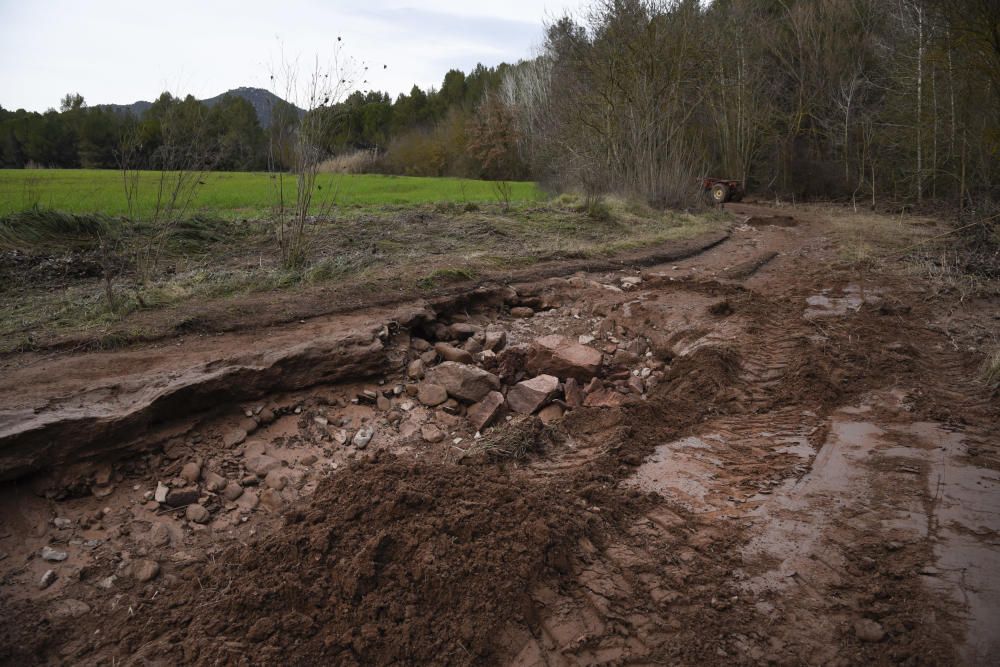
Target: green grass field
[[233, 194]]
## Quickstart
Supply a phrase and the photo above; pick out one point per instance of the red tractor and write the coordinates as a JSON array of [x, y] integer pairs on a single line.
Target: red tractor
[[721, 190]]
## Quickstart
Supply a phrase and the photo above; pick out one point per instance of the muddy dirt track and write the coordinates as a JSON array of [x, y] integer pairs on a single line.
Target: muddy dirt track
[[749, 456]]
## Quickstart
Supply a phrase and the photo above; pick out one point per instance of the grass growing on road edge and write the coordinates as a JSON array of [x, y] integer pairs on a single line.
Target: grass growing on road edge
[[49, 295]]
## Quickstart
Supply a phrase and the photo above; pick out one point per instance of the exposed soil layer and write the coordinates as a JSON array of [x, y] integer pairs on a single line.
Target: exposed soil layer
[[774, 459]]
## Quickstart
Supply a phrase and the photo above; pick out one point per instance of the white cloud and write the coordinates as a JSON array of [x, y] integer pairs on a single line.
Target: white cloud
[[118, 51]]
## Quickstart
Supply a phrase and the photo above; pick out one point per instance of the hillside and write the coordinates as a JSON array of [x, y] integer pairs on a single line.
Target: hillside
[[263, 102]]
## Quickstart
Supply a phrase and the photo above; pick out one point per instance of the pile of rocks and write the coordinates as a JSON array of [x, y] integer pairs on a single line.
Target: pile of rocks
[[476, 375]]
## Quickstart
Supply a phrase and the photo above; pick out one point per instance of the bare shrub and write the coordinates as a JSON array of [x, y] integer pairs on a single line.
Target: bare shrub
[[295, 153], [358, 162]]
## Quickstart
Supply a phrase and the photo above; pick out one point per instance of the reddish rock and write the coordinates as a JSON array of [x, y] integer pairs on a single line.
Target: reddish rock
[[419, 344], [636, 385], [573, 392], [431, 433], [526, 397], [182, 497], [415, 371], [564, 358], [594, 385], [463, 330], [485, 411], [495, 340], [452, 353], [522, 312], [431, 394], [464, 382]]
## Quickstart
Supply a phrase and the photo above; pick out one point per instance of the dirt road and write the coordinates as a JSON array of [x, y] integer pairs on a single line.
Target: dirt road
[[782, 459]]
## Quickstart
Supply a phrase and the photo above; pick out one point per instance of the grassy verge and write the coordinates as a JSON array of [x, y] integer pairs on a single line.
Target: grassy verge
[[916, 246], [53, 290]]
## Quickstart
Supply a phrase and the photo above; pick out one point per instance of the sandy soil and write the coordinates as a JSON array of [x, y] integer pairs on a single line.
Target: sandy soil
[[783, 461]]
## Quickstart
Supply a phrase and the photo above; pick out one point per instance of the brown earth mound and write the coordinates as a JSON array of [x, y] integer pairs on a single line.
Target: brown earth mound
[[396, 562]]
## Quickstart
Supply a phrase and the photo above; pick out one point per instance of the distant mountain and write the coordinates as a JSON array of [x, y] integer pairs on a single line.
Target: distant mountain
[[263, 102]]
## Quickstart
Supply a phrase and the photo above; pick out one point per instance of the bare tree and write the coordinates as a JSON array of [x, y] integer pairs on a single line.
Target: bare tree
[[296, 152]]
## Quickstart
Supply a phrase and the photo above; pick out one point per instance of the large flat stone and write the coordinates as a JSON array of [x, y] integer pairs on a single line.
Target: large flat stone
[[564, 358], [462, 381], [528, 396]]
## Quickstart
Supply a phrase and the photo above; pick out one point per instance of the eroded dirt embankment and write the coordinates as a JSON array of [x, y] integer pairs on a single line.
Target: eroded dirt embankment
[[736, 458]]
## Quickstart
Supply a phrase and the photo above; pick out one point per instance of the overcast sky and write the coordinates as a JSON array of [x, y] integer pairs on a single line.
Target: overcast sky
[[116, 51]]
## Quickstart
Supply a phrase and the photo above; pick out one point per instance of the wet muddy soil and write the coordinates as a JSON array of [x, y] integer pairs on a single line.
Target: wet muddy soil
[[750, 456]]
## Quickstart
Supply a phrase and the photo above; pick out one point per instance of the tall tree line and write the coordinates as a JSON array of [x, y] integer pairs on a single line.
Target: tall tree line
[[76, 135], [846, 98]]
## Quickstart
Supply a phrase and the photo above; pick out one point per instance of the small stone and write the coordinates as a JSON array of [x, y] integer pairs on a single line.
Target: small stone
[[495, 340], [215, 482], [102, 491], [452, 353], [61, 523], [483, 413], [363, 437], [191, 472], [308, 459], [266, 416], [53, 555], [868, 630], [463, 330], [551, 413], [277, 479], [272, 500], [145, 570], [522, 312], [232, 491], [340, 437], [431, 433], [431, 394], [160, 495], [631, 280], [419, 344], [261, 464], [47, 579], [472, 346], [573, 393], [321, 420], [527, 396], [636, 385], [183, 496], [248, 500], [197, 514], [415, 371], [586, 340], [159, 535], [383, 403], [234, 437]]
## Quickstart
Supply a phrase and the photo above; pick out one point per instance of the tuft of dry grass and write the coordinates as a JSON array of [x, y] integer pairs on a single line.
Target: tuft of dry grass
[[990, 373], [358, 162]]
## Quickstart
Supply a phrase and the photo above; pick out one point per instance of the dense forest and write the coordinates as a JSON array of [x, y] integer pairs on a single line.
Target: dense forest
[[862, 99]]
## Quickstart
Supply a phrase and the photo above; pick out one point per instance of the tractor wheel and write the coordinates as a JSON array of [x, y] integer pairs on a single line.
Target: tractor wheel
[[720, 193]]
